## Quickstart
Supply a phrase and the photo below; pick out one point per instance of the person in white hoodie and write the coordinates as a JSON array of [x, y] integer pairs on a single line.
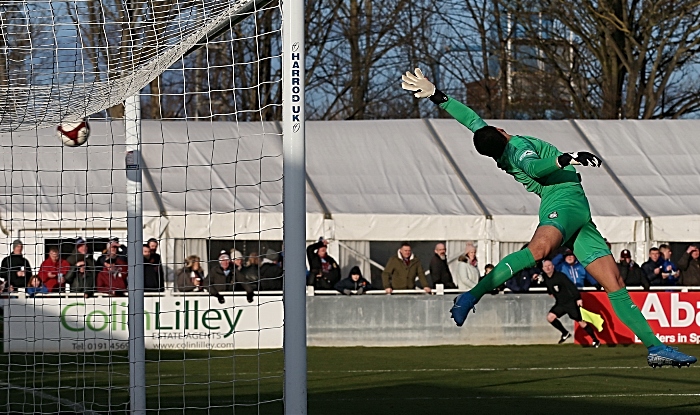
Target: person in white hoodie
[[466, 272]]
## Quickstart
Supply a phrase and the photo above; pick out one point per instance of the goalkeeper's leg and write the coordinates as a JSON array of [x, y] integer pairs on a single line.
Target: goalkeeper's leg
[[588, 247], [546, 239]]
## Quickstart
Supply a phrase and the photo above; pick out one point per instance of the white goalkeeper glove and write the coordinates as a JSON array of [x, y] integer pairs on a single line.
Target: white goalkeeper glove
[[582, 158], [417, 83]]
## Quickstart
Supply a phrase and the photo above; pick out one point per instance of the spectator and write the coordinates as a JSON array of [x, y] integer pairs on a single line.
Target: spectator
[[568, 301], [112, 251], [190, 277], [253, 263], [522, 281], [568, 265], [402, 270], [466, 271], [153, 273], [631, 273], [251, 270], [112, 280], [220, 277], [354, 283], [243, 277], [81, 275], [153, 247], [669, 270], [537, 278], [35, 286], [488, 268], [15, 268], [121, 248], [324, 270], [5, 287], [439, 271], [689, 264], [653, 267], [271, 272], [53, 271]]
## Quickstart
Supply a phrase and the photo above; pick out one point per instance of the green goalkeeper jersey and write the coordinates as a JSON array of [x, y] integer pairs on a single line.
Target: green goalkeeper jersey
[[531, 161]]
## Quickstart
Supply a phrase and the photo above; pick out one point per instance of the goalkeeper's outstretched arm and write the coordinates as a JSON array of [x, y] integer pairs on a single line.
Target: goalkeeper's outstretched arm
[[423, 88]]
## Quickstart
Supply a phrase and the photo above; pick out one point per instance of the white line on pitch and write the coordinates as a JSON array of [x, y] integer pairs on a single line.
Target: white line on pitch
[[477, 369], [65, 402], [583, 396]]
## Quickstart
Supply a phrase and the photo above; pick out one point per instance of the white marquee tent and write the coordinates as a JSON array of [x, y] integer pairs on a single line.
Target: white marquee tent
[[388, 180]]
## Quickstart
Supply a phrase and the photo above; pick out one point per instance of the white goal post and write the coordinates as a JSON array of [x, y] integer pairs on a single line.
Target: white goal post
[[196, 141]]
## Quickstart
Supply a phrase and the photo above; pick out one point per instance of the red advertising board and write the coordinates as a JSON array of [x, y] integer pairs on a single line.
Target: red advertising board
[[674, 317]]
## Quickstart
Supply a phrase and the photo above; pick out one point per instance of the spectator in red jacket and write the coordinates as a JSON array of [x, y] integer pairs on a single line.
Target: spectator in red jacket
[[112, 280], [53, 271]]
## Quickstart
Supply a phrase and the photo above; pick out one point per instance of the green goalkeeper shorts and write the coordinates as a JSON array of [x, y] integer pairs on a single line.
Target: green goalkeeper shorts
[[571, 214]]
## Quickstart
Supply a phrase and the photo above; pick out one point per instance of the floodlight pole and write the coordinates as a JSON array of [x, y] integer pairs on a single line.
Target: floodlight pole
[[294, 194], [134, 224]]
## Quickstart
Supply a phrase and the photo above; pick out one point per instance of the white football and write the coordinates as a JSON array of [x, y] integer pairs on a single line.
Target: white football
[[73, 134]]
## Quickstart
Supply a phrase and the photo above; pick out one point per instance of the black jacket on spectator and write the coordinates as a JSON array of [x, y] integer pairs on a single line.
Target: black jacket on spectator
[[245, 278], [349, 284], [81, 282], [440, 273], [690, 270], [648, 271], [9, 267], [632, 275], [562, 288], [271, 276], [153, 274], [218, 281], [317, 278], [520, 282]]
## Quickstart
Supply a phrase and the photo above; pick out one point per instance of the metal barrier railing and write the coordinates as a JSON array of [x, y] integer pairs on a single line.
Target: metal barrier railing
[[310, 292]]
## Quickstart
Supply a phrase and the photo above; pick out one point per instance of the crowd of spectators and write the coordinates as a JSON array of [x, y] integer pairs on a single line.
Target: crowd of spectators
[[404, 271], [232, 272], [80, 272]]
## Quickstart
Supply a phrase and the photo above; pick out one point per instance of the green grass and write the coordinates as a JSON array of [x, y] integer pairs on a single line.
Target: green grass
[[410, 380]]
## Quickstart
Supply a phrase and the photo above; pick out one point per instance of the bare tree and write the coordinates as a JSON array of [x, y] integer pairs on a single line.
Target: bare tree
[[367, 45], [628, 59]]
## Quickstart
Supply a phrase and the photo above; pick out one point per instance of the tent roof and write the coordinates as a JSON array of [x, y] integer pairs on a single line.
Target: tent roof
[[657, 161], [391, 167]]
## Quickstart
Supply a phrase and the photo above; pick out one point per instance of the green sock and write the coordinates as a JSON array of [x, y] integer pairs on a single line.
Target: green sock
[[515, 262], [630, 314]]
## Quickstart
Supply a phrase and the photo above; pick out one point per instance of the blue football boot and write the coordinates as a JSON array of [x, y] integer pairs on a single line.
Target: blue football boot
[[664, 355], [463, 304]]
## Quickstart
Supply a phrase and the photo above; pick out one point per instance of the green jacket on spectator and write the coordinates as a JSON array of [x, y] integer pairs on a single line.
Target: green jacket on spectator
[[401, 276]]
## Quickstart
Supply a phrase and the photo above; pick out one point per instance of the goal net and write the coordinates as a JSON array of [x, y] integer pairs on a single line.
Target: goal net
[[164, 231]]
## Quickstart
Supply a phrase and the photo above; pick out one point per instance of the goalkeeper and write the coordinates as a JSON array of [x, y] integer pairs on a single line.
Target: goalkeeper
[[564, 216]]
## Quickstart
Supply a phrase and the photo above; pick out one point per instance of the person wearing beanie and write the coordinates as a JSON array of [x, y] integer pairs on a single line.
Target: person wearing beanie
[[15, 268], [354, 283], [567, 264], [564, 216], [82, 275], [631, 272], [271, 272]]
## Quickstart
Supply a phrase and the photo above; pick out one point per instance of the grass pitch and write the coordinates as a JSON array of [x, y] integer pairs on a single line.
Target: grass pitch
[[553, 379]]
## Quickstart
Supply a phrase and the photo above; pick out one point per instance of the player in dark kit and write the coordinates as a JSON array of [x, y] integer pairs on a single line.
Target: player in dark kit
[[568, 301], [565, 216]]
